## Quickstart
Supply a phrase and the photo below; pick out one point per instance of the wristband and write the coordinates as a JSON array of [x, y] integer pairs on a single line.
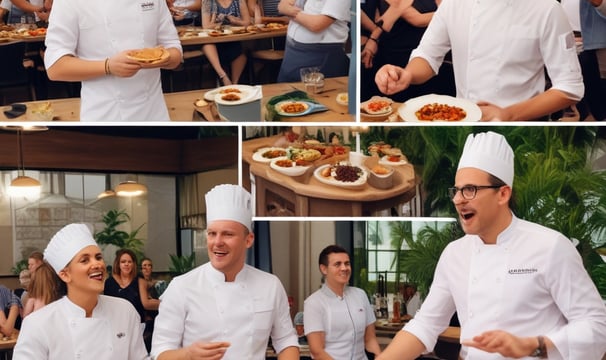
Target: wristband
[[373, 39], [380, 25], [107, 70]]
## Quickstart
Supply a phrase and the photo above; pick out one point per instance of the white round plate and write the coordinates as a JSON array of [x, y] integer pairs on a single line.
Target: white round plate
[[244, 89], [294, 170], [388, 110], [332, 181], [408, 109], [385, 161], [258, 155], [308, 107]]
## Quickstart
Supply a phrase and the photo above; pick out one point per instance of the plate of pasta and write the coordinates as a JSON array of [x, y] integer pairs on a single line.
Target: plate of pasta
[[293, 107], [435, 107]]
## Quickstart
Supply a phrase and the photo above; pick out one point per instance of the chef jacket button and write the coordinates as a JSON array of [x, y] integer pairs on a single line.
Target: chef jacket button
[[470, 314]]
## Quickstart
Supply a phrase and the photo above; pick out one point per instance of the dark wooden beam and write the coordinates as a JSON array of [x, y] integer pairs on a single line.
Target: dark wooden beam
[[68, 150]]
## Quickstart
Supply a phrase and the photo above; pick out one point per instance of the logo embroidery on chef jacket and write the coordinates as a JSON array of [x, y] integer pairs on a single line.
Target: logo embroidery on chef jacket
[[148, 5], [120, 335], [522, 271]]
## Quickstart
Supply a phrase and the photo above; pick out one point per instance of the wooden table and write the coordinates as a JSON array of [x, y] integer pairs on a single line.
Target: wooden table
[[7, 345], [195, 40], [201, 40], [306, 196], [181, 104]]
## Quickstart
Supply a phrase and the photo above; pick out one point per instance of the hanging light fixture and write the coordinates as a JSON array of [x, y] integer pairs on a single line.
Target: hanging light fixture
[[23, 185], [108, 189], [130, 188]]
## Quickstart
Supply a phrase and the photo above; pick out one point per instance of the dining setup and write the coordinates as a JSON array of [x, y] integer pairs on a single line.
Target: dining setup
[[314, 98], [308, 177]]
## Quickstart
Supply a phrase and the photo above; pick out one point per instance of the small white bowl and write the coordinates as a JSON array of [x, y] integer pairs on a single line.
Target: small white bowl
[[381, 181], [293, 170]]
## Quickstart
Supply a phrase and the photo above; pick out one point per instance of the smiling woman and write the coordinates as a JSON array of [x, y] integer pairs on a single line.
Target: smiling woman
[[94, 318]]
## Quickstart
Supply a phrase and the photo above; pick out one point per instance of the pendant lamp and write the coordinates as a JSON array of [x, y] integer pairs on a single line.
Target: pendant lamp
[[23, 186]]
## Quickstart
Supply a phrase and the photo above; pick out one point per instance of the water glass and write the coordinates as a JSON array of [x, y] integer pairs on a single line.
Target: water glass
[[313, 80]]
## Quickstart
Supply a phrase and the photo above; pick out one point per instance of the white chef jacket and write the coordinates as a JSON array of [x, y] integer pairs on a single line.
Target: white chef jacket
[[337, 32], [201, 306], [532, 282], [61, 331], [500, 48], [95, 30], [343, 320]]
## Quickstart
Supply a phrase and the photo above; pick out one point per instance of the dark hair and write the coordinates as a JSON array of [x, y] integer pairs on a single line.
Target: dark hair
[[119, 253], [330, 249], [495, 181]]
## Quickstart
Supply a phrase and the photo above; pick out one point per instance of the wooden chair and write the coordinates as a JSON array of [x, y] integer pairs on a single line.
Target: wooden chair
[[267, 58], [13, 74]]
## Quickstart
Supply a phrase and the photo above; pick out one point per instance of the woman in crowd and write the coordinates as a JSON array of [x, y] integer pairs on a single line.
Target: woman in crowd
[[338, 319], [125, 283], [83, 324], [216, 13], [316, 38], [44, 289]]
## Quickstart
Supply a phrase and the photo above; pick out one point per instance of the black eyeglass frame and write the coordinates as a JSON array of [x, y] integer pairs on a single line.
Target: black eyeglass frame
[[452, 191]]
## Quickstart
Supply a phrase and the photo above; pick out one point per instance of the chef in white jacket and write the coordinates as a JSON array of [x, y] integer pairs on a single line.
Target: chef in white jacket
[[225, 309], [519, 289], [87, 41], [83, 324]]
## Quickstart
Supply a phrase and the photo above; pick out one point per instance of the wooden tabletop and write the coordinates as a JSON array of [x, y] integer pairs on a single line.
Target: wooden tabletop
[[247, 36], [8, 343], [190, 39], [181, 104], [308, 185]]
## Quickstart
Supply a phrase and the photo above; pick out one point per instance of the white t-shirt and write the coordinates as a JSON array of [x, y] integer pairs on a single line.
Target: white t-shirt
[[343, 320], [501, 47], [337, 32], [201, 306], [532, 282], [60, 331]]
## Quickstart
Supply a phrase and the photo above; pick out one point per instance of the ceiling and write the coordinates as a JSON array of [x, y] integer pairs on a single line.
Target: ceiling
[[141, 149]]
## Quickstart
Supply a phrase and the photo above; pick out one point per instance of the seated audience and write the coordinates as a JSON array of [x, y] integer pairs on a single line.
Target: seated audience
[[24, 281], [9, 316], [216, 13], [185, 12], [44, 288]]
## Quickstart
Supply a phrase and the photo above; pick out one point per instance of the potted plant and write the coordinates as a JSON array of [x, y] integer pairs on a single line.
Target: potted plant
[[111, 235]]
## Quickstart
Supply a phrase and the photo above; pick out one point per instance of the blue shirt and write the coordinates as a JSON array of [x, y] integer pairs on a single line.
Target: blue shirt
[[593, 25]]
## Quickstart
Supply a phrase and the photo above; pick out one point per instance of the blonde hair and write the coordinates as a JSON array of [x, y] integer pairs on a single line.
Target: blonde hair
[[45, 285]]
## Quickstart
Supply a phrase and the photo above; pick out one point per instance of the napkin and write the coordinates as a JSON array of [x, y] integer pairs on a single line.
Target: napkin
[[298, 95]]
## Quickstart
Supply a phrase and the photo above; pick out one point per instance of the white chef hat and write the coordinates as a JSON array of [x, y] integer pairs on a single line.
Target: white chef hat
[[229, 202], [491, 153], [66, 243]]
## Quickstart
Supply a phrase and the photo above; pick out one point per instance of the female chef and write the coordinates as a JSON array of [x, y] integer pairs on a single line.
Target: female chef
[[88, 41], [83, 324]]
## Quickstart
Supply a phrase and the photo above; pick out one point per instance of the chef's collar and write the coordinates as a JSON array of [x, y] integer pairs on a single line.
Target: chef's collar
[[75, 311], [217, 276], [504, 236]]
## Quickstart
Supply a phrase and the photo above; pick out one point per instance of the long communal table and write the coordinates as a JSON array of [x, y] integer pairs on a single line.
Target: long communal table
[[181, 104]]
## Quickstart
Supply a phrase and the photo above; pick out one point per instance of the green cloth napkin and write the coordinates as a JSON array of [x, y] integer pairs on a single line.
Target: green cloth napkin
[[298, 95]]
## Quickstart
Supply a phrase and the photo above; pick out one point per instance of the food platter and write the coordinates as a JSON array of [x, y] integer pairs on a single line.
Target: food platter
[[263, 154], [292, 170], [211, 95], [377, 108], [410, 107], [293, 107], [386, 161], [330, 180]]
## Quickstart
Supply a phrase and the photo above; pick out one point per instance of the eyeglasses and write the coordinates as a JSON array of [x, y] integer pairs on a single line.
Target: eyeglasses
[[469, 191]]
